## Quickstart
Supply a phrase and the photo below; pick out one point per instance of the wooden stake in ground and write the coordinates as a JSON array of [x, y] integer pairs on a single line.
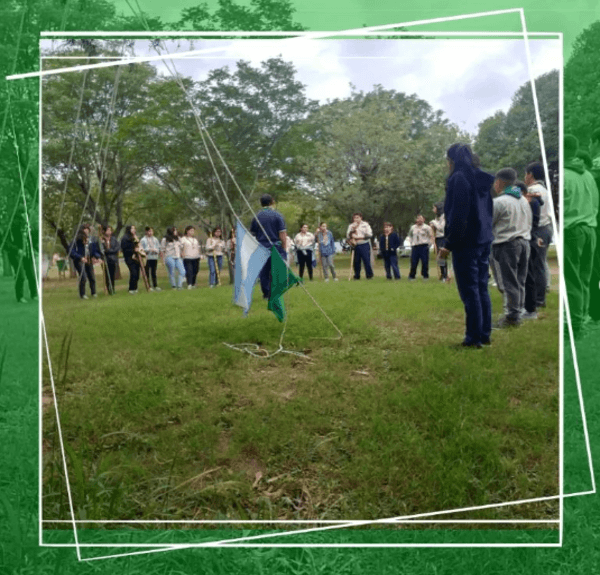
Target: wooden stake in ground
[[351, 263], [216, 262]]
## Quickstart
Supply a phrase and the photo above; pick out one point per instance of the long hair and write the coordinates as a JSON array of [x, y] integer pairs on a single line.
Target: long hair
[[462, 158], [170, 235], [128, 235]]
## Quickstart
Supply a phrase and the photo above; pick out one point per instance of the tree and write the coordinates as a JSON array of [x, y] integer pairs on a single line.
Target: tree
[[512, 139], [582, 78], [377, 153]]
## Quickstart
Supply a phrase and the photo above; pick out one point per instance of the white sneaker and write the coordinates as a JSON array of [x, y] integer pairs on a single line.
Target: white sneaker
[[82, 297], [23, 300], [336, 280], [529, 315], [212, 286], [190, 286], [326, 280], [132, 292], [157, 289], [94, 295]]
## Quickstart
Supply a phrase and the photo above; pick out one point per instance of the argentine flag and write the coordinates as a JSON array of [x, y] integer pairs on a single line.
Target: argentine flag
[[250, 258]]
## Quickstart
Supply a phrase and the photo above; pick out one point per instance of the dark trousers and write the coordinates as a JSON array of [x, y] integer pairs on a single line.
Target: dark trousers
[[362, 253], [545, 234], [579, 246], [471, 272], [110, 268], [419, 253], [305, 260], [513, 258], [595, 281], [536, 277], [150, 268], [390, 261], [22, 267], [134, 273], [85, 271], [442, 263], [191, 270], [265, 275]]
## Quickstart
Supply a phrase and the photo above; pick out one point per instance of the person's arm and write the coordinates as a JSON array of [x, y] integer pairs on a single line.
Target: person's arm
[[368, 232], [459, 192], [282, 237]]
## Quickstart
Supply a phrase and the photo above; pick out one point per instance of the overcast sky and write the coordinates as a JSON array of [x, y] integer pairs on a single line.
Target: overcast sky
[[468, 80]]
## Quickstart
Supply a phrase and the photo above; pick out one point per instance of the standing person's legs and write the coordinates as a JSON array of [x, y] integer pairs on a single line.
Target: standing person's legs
[[16, 266], [91, 276], [195, 270], [170, 263], [181, 270], [219, 267], [212, 276], [331, 266], [28, 267], [414, 262], [187, 266], [394, 266], [387, 264], [467, 275], [81, 276], [153, 264], [366, 256], [111, 268], [594, 309], [507, 255], [425, 261], [134, 274], [357, 263], [587, 267], [483, 264], [533, 277], [265, 279], [545, 234], [522, 266], [325, 266], [309, 264], [302, 263]]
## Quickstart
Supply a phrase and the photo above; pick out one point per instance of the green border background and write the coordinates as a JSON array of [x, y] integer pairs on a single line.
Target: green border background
[[18, 392]]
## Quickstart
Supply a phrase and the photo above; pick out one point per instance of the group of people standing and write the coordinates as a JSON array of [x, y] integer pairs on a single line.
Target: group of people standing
[[180, 255]]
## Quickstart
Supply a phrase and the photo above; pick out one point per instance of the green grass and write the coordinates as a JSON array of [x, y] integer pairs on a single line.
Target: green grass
[[162, 421]]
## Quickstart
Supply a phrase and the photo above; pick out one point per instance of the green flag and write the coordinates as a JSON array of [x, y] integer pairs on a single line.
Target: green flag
[[282, 279]]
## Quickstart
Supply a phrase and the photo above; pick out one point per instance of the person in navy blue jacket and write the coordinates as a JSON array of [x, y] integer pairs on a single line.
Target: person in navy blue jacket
[[389, 242], [469, 208], [82, 252]]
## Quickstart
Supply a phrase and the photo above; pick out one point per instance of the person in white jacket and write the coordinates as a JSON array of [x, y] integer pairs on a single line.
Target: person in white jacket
[[190, 252], [215, 247], [171, 255]]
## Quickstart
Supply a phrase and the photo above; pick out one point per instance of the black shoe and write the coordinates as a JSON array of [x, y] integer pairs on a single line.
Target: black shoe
[[465, 345], [486, 342]]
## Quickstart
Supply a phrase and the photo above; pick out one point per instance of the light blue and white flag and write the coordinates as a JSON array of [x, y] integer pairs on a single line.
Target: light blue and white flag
[[250, 258]]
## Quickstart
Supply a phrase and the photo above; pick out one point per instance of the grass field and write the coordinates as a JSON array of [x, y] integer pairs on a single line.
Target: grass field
[[162, 421]]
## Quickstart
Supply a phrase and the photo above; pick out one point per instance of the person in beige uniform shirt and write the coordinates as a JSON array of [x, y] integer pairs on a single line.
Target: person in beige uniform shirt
[[421, 237], [190, 252], [305, 244], [215, 247], [358, 235]]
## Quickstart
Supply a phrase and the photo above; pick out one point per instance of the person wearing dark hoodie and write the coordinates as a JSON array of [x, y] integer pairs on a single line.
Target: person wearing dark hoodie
[[580, 221], [468, 209]]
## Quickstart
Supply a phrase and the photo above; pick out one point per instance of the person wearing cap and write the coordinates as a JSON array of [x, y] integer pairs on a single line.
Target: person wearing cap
[[580, 221], [268, 227], [358, 235], [512, 221], [468, 209]]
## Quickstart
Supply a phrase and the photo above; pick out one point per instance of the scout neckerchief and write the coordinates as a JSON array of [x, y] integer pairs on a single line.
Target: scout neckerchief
[[513, 191]]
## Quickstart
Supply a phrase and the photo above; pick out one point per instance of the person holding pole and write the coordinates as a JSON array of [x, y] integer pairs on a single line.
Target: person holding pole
[[215, 246], [359, 234], [151, 246], [108, 247], [326, 243]]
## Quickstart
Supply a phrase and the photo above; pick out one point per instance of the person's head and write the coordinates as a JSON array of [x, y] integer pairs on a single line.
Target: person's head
[[323, 227], [217, 232], [459, 157], [85, 229], [523, 187], [420, 220], [190, 231], [266, 200], [149, 231], [304, 228], [571, 145], [387, 228], [533, 173], [130, 231], [438, 208], [587, 159], [107, 231], [504, 178], [171, 234], [357, 217]]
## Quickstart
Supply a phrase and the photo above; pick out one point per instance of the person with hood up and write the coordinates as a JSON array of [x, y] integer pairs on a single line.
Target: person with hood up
[[580, 222], [468, 209]]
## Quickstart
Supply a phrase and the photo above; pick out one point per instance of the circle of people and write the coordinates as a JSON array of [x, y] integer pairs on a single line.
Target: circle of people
[[509, 233]]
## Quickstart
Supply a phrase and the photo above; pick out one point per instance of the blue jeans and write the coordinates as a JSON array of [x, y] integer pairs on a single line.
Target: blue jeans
[[211, 267], [390, 261], [471, 271], [419, 252], [172, 265]]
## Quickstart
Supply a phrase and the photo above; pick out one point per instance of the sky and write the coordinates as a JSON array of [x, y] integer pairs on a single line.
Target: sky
[[469, 80]]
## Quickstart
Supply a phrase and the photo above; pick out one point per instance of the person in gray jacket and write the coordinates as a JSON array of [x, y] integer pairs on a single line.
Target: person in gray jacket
[[511, 226]]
